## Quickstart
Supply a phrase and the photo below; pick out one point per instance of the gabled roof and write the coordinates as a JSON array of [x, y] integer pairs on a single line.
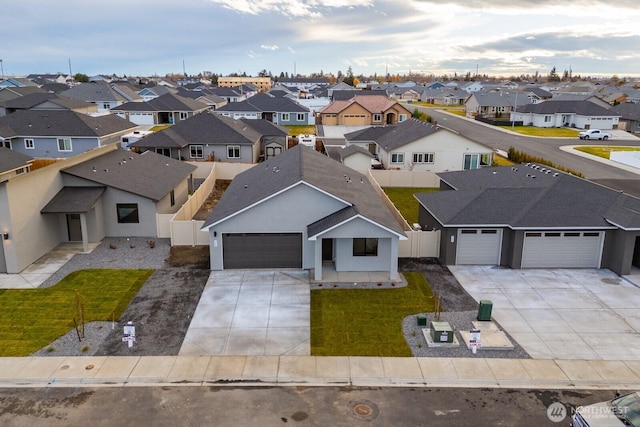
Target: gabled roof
[[28, 101], [583, 108], [499, 99], [61, 123], [148, 175], [345, 95], [94, 92], [204, 128], [11, 160], [627, 111], [302, 165], [21, 91], [74, 200], [374, 104], [266, 102], [354, 149], [166, 102], [541, 93], [391, 137], [371, 133], [511, 197], [265, 127]]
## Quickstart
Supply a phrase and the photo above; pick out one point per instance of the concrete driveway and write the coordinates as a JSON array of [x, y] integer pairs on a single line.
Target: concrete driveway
[[252, 312], [561, 314]]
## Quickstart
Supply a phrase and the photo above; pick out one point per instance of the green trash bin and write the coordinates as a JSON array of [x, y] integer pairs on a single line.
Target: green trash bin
[[484, 310], [422, 320]]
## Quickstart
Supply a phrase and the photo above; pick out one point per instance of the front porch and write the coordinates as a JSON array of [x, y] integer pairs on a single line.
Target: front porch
[[357, 278]]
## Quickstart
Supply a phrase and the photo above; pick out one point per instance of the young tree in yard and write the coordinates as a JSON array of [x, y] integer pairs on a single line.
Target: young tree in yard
[[81, 78]]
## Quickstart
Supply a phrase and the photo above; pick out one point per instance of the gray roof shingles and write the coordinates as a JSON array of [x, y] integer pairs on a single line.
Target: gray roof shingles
[[74, 200], [303, 164], [149, 174], [10, 160]]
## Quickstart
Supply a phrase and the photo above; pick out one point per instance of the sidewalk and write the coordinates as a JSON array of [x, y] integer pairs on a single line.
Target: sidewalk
[[93, 371]]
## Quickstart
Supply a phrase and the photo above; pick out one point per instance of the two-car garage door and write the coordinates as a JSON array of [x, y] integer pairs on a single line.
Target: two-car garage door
[[262, 250], [562, 250]]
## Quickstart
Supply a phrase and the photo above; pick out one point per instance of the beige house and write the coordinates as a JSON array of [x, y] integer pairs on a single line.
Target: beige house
[[363, 110], [264, 83]]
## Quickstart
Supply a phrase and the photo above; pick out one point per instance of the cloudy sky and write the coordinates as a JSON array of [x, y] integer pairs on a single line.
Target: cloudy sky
[[146, 37]]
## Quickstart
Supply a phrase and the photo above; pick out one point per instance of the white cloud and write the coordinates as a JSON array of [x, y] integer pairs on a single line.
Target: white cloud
[[291, 8], [290, 49], [269, 47]]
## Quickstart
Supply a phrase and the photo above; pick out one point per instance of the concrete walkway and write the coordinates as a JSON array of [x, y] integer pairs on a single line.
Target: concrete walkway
[[317, 371]]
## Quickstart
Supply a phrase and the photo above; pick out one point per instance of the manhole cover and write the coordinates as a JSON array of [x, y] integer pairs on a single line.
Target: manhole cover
[[64, 367], [88, 367], [363, 410]]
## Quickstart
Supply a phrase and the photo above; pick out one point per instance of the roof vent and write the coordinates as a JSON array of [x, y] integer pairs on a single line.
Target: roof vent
[[106, 170], [556, 174], [93, 169], [246, 186]]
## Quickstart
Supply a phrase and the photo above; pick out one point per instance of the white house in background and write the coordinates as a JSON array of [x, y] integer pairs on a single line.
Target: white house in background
[[578, 114], [421, 146]]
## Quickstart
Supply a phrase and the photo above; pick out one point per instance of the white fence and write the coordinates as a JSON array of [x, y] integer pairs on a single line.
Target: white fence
[[393, 178], [420, 244]]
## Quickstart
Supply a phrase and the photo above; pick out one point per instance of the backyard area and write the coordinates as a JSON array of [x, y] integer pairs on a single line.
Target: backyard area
[[33, 318], [366, 322], [402, 198]]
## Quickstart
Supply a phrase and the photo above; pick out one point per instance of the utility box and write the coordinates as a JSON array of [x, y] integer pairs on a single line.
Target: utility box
[[484, 310], [422, 320], [441, 332]]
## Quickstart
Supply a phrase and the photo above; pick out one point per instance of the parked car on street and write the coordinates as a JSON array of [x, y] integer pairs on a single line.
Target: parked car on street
[[621, 411], [594, 134]]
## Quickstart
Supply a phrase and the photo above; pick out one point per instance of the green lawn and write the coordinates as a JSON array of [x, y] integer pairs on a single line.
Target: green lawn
[[366, 322], [32, 318], [158, 128], [402, 198], [501, 161], [301, 130], [545, 132], [602, 151]]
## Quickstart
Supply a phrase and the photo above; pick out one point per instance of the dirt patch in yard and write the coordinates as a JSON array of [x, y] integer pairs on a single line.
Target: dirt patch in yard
[[195, 256], [212, 200]]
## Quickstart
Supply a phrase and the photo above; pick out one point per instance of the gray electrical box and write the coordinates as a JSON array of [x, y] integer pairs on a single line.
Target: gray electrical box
[[441, 332]]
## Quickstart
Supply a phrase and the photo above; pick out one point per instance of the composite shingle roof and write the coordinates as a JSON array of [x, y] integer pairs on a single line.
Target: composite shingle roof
[[74, 200], [149, 174], [266, 102], [10, 160], [166, 102], [583, 108], [374, 104], [303, 165]]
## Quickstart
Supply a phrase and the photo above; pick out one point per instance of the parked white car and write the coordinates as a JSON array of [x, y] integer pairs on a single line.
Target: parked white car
[[621, 411], [594, 134]]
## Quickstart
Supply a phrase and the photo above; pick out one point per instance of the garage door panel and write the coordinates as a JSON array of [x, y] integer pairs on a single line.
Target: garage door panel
[[562, 250], [479, 247], [262, 250]]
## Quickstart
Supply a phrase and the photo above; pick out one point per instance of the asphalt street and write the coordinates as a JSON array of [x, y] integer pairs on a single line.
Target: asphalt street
[[547, 148]]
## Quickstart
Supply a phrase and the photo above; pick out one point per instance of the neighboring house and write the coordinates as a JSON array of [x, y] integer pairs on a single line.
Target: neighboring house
[[205, 96], [578, 114], [152, 92], [345, 95], [51, 78], [421, 146], [352, 156], [473, 87], [8, 93], [230, 94], [166, 109], [629, 116], [373, 110], [526, 217], [303, 210], [443, 96], [211, 137], [13, 164], [263, 83], [537, 94], [59, 133], [494, 105], [279, 110], [104, 192], [46, 101], [304, 82], [99, 93], [16, 82]]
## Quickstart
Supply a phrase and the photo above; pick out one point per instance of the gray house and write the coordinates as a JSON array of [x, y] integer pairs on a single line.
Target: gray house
[[532, 217], [212, 137], [303, 210], [629, 116], [165, 109], [59, 133], [279, 110]]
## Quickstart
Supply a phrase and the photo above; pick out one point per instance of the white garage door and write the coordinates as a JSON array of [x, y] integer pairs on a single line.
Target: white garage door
[[141, 118], [479, 247], [562, 250]]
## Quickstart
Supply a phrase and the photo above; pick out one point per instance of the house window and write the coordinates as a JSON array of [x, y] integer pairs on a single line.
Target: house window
[[301, 117], [127, 213], [106, 105], [365, 247], [485, 159], [184, 115], [233, 151], [64, 144], [397, 158], [377, 118], [471, 161], [423, 157], [402, 117], [285, 117], [547, 119], [172, 197], [28, 144], [196, 152]]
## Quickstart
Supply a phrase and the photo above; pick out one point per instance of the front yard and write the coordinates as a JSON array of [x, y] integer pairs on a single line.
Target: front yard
[[602, 151], [366, 322], [32, 318], [402, 198], [544, 132]]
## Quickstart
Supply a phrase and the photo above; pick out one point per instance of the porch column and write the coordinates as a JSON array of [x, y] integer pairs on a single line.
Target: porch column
[[84, 232], [393, 267], [318, 260]]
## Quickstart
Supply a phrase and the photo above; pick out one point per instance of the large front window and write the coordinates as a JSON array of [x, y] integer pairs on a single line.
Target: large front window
[[423, 157], [365, 247], [377, 118], [196, 152], [64, 144], [285, 117], [233, 151], [397, 158], [127, 213]]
